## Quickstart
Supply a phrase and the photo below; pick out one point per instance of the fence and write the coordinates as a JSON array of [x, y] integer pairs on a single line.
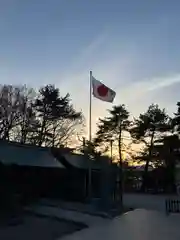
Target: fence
[[172, 206]]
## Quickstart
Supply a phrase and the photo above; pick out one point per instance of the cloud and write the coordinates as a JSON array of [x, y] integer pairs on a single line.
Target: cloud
[[158, 83], [85, 56], [115, 69], [161, 90], [144, 87]]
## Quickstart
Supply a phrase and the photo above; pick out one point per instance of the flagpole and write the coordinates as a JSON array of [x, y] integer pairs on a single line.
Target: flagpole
[[90, 106], [90, 136]]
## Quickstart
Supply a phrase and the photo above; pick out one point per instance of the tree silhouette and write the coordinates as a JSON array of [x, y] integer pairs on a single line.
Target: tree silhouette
[[94, 149], [41, 119], [28, 122], [112, 128], [56, 115], [148, 128], [167, 149], [176, 120], [10, 110]]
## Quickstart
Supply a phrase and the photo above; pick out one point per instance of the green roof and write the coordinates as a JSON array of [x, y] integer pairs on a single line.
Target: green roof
[[30, 155], [25, 155]]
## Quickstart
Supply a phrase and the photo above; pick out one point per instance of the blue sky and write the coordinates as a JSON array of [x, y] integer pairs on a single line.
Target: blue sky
[[132, 46]]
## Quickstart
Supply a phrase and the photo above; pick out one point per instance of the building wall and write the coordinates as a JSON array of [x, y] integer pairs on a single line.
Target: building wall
[[34, 182], [177, 176]]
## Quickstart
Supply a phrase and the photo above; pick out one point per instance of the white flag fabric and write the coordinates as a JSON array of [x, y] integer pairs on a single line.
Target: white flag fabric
[[102, 92]]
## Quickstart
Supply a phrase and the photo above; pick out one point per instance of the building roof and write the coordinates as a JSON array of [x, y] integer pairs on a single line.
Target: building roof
[[27, 155], [81, 161], [30, 155]]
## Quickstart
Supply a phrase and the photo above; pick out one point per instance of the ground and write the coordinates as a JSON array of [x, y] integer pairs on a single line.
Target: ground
[[139, 224], [148, 221], [35, 227]]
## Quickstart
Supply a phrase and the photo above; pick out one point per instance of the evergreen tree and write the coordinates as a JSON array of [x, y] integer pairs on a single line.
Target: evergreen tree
[[112, 128], [148, 128]]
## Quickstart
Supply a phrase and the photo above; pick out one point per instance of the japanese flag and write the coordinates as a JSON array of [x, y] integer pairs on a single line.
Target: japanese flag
[[102, 92]]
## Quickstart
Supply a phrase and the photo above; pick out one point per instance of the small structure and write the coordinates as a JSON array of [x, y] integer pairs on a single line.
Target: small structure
[[35, 171]]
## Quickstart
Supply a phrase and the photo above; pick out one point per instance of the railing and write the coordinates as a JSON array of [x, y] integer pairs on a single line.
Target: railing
[[172, 206]]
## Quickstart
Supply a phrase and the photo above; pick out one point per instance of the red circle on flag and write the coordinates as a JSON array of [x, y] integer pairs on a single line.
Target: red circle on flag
[[102, 90]]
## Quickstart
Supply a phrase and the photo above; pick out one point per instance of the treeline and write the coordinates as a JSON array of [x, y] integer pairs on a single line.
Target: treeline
[[154, 131], [45, 118], [42, 117]]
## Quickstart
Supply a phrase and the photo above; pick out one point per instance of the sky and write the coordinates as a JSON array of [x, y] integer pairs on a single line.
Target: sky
[[131, 46]]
